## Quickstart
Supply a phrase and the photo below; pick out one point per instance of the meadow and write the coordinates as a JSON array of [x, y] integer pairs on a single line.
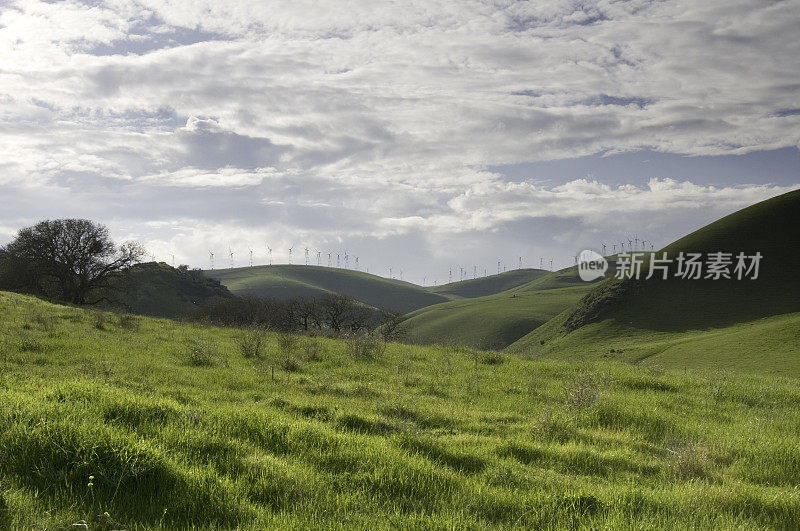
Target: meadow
[[116, 421]]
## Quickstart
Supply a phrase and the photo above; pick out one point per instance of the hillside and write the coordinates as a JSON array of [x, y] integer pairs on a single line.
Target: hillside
[[496, 321], [159, 290], [648, 312], [286, 281], [120, 422], [481, 287]]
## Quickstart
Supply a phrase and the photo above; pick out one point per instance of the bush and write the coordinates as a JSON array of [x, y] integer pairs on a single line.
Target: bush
[[127, 321], [314, 350], [366, 348], [492, 358], [251, 342], [201, 353], [583, 392]]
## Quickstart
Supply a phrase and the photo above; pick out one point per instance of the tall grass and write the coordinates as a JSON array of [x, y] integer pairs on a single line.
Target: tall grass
[[115, 427]]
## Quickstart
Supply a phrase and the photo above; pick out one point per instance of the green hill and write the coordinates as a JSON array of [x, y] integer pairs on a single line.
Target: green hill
[[159, 290], [481, 287], [119, 422], [286, 281], [697, 322], [496, 321]]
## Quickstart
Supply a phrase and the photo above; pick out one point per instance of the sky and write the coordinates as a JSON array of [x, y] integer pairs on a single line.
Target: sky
[[420, 135]]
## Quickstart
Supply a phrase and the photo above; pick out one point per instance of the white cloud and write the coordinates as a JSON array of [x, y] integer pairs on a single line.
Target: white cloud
[[380, 118]]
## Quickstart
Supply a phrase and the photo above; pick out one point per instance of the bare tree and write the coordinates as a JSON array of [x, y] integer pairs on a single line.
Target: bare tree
[[68, 259]]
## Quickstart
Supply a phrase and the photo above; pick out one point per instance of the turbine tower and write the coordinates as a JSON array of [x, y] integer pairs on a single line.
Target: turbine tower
[[290, 254], [520, 263], [319, 258], [251, 257], [357, 264], [498, 267], [390, 273], [551, 264], [269, 251], [230, 253], [211, 257], [450, 276], [604, 248], [329, 259], [346, 260], [306, 255]]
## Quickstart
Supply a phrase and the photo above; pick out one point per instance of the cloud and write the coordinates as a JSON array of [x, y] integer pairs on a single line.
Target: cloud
[[382, 119]]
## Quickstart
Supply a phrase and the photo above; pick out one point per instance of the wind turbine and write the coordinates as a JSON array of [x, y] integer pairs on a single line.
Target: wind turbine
[[424, 279], [604, 248], [269, 249], [319, 258], [230, 253], [551, 264], [251, 257], [541, 263], [474, 272], [173, 260], [329, 259], [390, 273], [450, 276], [338, 260], [520, 263], [346, 260], [306, 255], [211, 257], [401, 274], [636, 241], [614, 248], [498, 267], [290, 254], [357, 264]]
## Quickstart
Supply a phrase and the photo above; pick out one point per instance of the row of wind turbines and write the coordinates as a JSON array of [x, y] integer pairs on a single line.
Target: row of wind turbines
[[317, 257]]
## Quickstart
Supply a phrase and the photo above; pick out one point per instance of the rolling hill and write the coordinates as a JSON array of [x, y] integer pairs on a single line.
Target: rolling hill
[[286, 281], [497, 320], [697, 322], [489, 285]]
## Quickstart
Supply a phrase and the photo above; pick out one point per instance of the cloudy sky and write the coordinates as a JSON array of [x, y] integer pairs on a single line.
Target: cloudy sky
[[421, 135]]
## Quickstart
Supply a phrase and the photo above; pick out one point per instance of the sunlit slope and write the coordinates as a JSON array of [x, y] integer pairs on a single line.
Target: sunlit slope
[[498, 320], [286, 281], [743, 323], [481, 287]]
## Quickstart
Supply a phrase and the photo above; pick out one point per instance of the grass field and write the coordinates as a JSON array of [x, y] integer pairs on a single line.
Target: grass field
[[130, 422], [285, 281]]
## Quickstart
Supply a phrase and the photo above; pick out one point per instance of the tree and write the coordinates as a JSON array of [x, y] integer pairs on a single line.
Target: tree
[[68, 259]]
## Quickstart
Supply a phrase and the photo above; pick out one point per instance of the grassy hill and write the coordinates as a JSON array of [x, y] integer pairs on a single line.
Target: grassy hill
[[157, 289], [286, 281], [480, 287], [498, 320], [676, 320], [126, 422]]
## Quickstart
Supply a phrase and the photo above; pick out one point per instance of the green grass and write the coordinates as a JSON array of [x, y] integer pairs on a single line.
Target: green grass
[[481, 287], [496, 321], [113, 421], [286, 281], [770, 345]]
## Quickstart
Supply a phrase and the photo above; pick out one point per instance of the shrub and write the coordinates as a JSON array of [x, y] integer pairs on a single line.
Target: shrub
[[492, 358], [251, 342], [366, 348], [287, 344], [583, 392], [127, 321], [202, 353], [314, 350]]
